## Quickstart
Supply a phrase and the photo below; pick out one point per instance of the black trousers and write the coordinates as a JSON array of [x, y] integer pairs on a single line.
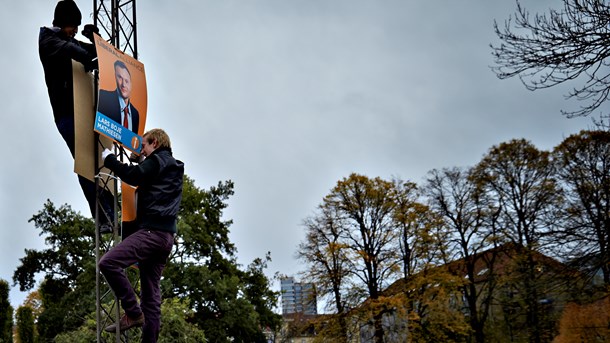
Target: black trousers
[[65, 126]]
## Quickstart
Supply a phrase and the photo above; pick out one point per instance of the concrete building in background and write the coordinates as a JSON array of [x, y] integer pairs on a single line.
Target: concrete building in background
[[298, 297]]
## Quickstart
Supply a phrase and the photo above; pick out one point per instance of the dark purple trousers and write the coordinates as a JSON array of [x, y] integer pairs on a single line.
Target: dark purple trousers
[[150, 249]]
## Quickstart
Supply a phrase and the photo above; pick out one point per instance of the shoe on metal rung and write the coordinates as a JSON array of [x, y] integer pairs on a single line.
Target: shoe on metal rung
[[126, 323]]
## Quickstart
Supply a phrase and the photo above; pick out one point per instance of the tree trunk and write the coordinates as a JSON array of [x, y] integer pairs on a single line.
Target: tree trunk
[[378, 328]]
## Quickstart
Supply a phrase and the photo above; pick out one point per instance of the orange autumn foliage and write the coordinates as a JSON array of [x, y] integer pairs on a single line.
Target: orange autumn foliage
[[585, 323]]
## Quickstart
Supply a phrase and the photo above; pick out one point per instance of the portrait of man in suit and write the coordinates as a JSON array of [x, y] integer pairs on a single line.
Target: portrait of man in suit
[[116, 104]]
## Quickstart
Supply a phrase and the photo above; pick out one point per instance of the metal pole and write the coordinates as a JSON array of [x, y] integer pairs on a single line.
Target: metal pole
[[117, 26]]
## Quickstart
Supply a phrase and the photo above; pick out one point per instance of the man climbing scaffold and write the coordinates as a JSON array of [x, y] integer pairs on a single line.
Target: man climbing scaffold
[[57, 48], [159, 180]]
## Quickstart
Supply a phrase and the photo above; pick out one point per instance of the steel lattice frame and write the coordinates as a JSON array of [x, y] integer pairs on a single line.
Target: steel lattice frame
[[116, 20]]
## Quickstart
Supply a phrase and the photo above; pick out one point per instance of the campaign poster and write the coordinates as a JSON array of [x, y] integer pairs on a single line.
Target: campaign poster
[[121, 107], [122, 97]]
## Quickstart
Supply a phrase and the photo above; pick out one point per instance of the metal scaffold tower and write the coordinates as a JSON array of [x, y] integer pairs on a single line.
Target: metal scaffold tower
[[116, 20]]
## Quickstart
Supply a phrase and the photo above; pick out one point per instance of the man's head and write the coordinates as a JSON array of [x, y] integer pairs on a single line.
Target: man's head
[[153, 140], [123, 79], [67, 17]]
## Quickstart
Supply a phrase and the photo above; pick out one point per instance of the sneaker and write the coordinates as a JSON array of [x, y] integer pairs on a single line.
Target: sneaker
[[126, 323], [106, 228]]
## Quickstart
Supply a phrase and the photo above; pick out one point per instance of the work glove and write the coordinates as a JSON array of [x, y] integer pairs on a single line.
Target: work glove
[[105, 153], [89, 30]]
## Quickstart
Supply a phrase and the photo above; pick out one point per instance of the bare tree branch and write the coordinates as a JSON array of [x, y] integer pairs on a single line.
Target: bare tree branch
[[547, 50]]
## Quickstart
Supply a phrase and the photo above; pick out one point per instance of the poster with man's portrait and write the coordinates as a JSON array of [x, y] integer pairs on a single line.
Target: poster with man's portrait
[[122, 99], [121, 107]]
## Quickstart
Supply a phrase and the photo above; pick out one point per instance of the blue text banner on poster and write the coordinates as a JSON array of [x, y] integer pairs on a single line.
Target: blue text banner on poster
[[119, 133]]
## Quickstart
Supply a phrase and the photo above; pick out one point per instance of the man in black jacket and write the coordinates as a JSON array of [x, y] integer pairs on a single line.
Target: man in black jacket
[[159, 180], [57, 48]]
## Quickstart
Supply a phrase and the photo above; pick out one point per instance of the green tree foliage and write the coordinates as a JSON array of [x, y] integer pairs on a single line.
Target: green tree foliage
[[85, 333], [6, 314], [227, 302], [25, 325], [176, 326], [69, 238], [68, 268], [583, 166], [545, 50]]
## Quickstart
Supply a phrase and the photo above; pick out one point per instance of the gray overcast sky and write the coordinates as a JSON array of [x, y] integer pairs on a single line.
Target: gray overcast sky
[[285, 98]]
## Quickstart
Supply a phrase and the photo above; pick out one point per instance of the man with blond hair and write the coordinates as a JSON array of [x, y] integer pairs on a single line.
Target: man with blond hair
[[159, 180]]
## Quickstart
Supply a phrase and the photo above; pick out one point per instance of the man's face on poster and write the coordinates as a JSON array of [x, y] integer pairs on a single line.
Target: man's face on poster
[[123, 82]]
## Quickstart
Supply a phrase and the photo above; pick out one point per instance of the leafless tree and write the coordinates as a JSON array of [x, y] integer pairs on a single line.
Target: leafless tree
[[521, 179], [583, 167], [571, 44], [469, 216]]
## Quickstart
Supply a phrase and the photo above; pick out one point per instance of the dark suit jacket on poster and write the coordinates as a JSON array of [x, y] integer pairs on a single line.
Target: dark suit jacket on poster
[[108, 105]]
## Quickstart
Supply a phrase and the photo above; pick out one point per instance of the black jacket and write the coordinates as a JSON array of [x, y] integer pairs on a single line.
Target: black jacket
[[56, 54], [159, 180]]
